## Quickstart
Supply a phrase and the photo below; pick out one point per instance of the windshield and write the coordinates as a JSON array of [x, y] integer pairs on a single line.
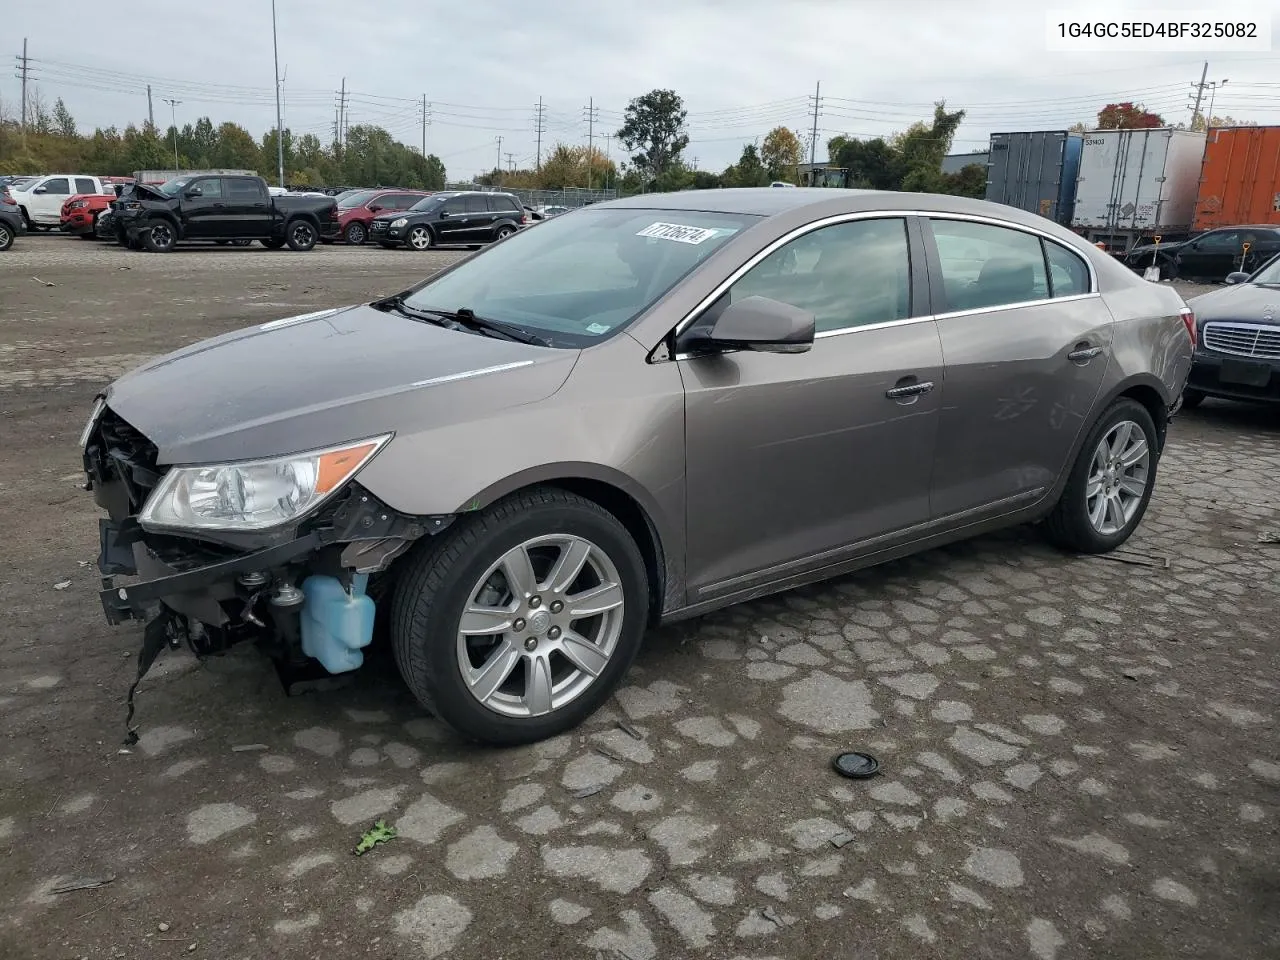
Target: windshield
[[426, 203], [172, 187], [357, 198], [1269, 274], [578, 279]]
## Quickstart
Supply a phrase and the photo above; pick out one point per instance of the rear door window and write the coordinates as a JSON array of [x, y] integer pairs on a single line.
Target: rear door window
[[476, 204], [985, 266], [241, 188], [1068, 273], [85, 185]]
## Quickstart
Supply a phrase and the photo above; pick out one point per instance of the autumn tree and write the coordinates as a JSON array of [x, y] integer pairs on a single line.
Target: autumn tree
[[1200, 124], [781, 154], [1127, 116], [653, 130]]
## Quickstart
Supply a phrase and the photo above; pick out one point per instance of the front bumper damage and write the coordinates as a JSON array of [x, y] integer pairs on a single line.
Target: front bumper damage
[[213, 591]]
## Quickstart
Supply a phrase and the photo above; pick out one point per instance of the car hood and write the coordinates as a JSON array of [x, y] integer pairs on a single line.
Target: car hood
[[320, 379], [1250, 302], [1151, 248]]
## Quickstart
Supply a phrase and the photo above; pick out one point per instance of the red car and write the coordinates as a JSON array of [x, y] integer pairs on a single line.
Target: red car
[[80, 212], [358, 208]]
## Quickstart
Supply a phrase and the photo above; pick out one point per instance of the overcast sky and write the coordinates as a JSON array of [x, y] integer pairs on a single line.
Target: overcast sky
[[742, 67]]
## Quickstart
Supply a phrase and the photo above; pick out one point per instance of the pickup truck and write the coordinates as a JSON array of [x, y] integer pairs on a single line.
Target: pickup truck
[[220, 208], [40, 199]]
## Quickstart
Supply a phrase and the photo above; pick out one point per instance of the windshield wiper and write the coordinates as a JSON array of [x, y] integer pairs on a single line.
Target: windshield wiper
[[464, 318]]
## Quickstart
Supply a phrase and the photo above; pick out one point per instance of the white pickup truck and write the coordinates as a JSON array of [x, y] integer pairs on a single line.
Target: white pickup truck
[[40, 200]]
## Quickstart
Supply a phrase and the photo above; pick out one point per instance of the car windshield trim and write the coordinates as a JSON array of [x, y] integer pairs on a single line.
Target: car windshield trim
[[578, 281]]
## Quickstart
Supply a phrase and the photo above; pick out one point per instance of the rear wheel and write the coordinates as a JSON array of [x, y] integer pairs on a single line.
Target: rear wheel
[[517, 625], [1110, 483], [302, 236], [1191, 399], [6, 236], [504, 231]]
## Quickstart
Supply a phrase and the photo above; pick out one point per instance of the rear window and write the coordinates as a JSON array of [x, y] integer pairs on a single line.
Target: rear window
[[503, 204], [85, 185]]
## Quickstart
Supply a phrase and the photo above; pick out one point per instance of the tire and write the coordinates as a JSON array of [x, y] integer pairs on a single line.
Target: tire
[[355, 234], [503, 232], [1192, 399], [161, 238], [133, 243], [1071, 525], [301, 235], [453, 572], [273, 243], [6, 237], [420, 239]]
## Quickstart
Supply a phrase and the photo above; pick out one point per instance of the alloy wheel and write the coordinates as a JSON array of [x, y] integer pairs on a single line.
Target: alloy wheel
[[5, 237], [540, 626], [162, 236], [303, 235], [355, 234], [420, 238], [1118, 477]]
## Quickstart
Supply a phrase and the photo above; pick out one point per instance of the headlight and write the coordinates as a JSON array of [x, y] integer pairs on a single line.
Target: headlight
[[78, 204], [254, 495], [399, 221]]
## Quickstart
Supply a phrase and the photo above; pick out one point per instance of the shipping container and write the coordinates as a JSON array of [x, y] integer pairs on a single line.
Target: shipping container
[[1240, 178], [1035, 171], [160, 176], [1135, 184]]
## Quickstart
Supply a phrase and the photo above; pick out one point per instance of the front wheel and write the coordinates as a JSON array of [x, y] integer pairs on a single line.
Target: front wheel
[[1110, 484], [161, 238], [519, 623], [355, 233], [420, 238], [302, 236]]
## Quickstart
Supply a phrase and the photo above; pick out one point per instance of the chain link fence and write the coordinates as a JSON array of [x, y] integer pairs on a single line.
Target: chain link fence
[[570, 197]]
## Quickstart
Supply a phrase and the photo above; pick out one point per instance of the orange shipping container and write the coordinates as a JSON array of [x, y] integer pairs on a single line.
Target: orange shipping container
[[1240, 178]]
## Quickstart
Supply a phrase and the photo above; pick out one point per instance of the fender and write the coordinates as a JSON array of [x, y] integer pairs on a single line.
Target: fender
[[661, 527]]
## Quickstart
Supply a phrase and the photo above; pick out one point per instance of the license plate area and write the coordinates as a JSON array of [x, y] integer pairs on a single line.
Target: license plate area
[[1246, 373]]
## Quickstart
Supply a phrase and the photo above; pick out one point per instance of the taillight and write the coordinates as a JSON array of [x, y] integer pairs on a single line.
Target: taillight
[[1189, 318]]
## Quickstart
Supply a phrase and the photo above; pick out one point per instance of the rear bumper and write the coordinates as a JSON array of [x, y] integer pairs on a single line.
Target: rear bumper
[[1219, 375], [15, 223]]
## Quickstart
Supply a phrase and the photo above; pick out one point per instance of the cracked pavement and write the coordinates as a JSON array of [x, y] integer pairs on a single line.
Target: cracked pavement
[[1079, 757]]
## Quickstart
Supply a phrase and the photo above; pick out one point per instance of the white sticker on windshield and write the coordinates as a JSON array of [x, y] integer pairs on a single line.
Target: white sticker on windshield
[[678, 232], [597, 328]]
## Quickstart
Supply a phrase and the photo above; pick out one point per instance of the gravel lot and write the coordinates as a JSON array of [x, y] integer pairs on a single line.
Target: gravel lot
[[1079, 756]]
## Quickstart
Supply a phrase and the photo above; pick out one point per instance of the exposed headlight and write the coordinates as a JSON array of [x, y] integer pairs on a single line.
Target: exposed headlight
[[254, 495], [399, 221], [78, 204], [98, 406]]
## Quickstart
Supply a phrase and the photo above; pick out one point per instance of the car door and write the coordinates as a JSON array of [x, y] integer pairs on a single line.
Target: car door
[[1209, 256], [451, 222], [479, 217], [45, 201], [1026, 342], [205, 215], [794, 459], [248, 210]]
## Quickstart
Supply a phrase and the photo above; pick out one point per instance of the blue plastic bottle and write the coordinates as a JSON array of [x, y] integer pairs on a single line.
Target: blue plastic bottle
[[336, 625]]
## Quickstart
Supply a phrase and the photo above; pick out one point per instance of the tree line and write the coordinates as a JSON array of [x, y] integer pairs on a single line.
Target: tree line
[[369, 154]]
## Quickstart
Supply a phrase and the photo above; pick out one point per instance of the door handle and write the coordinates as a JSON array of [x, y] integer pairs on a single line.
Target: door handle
[[918, 389], [1083, 354], [219, 206]]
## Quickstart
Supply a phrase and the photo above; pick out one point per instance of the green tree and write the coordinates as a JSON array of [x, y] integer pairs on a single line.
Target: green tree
[[63, 122], [749, 171], [969, 181], [653, 130], [871, 164], [922, 146], [235, 149], [781, 154]]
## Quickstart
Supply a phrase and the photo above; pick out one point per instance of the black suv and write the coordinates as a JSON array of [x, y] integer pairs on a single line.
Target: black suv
[[470, 218]]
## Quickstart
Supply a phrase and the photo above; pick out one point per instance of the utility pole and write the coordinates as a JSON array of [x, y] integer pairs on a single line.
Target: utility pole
[[173, 112], [340, 137], [426, 118], [1213, 92], [592, 115], [813, 141], [498, 168], [24, 59], [511, 164], [1195, 111], [151, 114], [608, 158], [275, 50], [539, 128]]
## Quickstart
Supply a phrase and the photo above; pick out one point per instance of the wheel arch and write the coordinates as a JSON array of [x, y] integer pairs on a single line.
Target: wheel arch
[[629, 503]]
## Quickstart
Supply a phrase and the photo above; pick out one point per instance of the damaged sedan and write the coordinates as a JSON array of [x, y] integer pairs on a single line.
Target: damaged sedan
[[660, 406]]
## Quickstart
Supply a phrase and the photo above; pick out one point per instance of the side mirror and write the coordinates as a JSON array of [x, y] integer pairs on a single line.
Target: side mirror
[[1238, 276], [193, 193], [376, 208], [760, 324], [39, 190], [443, 214]]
